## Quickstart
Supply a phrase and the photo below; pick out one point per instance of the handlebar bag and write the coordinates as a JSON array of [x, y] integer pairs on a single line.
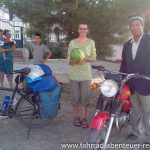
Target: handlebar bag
[[49, 103]]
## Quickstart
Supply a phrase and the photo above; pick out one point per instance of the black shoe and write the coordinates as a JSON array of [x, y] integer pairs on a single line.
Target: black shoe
[[131, 137]]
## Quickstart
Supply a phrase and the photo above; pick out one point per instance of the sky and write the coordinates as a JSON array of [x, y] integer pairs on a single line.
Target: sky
[[3, 15]]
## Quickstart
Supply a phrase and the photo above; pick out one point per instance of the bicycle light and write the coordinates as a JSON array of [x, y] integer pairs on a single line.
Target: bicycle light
[[109, 88]]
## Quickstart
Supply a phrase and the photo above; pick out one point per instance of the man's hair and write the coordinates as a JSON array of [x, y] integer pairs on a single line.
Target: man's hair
[[136, 18], [37, 34]]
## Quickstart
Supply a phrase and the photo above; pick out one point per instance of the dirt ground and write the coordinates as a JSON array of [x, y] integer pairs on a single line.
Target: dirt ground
[[13, 135]]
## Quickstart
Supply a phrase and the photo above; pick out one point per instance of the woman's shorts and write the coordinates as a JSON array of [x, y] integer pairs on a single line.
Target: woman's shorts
[[80, 92]]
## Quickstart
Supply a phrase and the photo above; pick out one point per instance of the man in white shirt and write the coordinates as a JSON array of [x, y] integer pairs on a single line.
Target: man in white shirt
[[136, 59]]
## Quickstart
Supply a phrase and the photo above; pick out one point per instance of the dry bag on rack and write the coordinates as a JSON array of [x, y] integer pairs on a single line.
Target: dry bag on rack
[[47, 83]]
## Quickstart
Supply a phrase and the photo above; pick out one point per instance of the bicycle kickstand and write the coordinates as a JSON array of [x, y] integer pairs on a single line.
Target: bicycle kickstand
[[29, 129]]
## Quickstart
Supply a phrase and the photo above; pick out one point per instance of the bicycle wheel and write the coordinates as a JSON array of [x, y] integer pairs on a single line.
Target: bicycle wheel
[[27, 111]]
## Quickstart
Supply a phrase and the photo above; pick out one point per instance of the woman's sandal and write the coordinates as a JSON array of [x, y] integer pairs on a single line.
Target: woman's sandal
[[77, 122], [84, 123]]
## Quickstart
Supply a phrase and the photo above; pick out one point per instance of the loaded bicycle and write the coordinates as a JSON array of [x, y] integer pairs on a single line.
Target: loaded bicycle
[[29, 108]]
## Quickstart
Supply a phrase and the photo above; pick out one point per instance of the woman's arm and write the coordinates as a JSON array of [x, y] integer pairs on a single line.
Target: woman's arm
[[93, 54], [90, 59], [71, 62], [11, 48]]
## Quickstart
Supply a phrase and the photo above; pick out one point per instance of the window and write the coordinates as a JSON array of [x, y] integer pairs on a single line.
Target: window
[[17, 35]]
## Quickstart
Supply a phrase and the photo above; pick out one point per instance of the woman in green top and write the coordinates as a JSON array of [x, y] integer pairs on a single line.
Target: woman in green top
[[80, 75]]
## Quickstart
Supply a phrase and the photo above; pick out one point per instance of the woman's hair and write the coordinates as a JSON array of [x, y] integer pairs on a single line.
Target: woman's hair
[[84, 23], [5, 31]]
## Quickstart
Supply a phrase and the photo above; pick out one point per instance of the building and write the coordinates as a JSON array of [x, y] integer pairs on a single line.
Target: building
[[16, 27]]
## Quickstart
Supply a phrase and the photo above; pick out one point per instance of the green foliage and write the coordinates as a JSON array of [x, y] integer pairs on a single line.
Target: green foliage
[[107, 19], [59, 50], [28, 46], [147, 24], [31, 31]]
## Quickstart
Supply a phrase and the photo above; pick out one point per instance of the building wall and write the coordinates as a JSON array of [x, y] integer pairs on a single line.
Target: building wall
[[15, 28]]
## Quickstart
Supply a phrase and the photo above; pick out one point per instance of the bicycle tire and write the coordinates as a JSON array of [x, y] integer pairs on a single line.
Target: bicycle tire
[[26, 110]]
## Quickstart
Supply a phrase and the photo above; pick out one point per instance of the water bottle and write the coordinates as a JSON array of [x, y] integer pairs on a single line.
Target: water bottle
[[5, 103]]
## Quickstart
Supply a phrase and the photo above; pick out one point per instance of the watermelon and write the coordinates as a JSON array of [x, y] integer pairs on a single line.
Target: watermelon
[[77, 55]]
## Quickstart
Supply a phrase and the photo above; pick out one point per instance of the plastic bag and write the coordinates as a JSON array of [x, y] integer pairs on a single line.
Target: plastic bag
[[35, 73]]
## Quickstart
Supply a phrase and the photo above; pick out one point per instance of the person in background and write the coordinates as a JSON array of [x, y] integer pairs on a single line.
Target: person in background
[[39, 50], [6, 63], [80, 75], [136, 59], [1, 37], [2, 41]]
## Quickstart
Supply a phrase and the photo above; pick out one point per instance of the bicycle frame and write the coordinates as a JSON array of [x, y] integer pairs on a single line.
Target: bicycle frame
[[12, 111], [29, 108]]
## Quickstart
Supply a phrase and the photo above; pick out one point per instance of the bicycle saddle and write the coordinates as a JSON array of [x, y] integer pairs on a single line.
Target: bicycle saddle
[[22, 71]]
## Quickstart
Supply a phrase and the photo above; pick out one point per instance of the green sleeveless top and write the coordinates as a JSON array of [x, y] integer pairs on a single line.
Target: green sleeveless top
[[82, 71]]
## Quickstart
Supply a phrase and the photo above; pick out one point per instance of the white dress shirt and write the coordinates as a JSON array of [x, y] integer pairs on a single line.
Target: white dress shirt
[[135, 45]]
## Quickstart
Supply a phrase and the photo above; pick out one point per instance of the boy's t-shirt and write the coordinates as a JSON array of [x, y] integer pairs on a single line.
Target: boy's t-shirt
[[39, 52]]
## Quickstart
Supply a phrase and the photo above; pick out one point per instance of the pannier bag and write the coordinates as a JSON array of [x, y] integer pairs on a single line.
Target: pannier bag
[[49, 103], [45, 84]]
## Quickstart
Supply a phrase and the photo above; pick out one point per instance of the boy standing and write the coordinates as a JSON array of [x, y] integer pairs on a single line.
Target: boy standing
[[39, 50]]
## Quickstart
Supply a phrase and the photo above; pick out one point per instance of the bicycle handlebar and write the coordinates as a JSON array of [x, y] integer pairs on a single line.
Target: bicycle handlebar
[[128, 76], [99, 68]]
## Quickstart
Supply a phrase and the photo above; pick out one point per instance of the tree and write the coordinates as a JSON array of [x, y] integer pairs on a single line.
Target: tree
[[107, 19]]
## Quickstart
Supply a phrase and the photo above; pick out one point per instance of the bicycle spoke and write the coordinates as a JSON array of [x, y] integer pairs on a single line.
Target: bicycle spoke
[[27, 110], [23, 109]]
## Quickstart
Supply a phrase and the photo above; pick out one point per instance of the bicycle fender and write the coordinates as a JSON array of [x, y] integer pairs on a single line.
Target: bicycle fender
[[99, 121]]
